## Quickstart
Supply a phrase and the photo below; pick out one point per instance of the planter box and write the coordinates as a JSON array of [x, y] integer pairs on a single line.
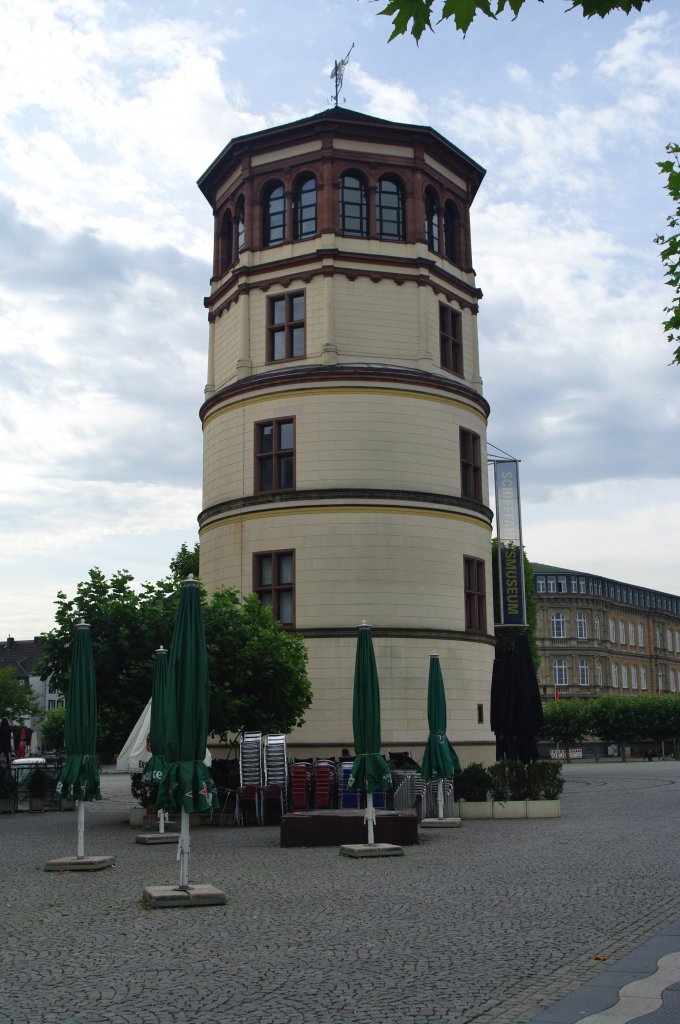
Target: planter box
[[67, 805], [509, 809], [543, 808], [475, 810], [138, 816], [36, 803], [6, 806]]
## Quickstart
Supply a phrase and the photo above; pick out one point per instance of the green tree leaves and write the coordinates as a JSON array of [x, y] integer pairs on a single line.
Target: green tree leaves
[[17, 699], [670, 253]]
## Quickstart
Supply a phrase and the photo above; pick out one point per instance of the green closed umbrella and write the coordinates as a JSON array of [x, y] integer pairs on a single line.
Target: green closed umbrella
[[186, 784], [155, 767], [440, 760], [370, 770], [79, 778]]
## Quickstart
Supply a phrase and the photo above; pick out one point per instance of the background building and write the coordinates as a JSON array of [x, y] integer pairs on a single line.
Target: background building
[[598, 635], [344, 424], [23, 656]]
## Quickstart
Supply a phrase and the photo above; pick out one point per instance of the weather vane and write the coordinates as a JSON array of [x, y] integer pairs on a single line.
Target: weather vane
[[338, 72]]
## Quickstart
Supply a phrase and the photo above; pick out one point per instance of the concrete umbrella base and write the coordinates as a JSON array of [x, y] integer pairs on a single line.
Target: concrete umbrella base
[[371, 850], [441, 823], [156, 838], [157, 897], [80, 864]]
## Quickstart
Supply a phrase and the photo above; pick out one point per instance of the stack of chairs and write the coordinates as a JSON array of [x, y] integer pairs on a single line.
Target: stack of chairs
[[325, 785], [346, 797], [431, 808], [299, 786], [248, 808], [274, 791], [410, 791]]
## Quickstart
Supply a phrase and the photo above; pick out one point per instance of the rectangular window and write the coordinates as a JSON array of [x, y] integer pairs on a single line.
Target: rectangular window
[[671, 680], [560, 672], [615, 676], [669, 640], [641, 635], [622, 633], [480, 714], [677, 642], [574, 585], [581, 584], [275, 455], [562, 584], [552, 585], [643, 677], [612, 631], [583, 673], [470, 465], [286, 327], [631, 634], [475, 594], [540, 586], [274, 583], [450, 339], [51, 704], [624, 677], [581, 627], [633, 677]]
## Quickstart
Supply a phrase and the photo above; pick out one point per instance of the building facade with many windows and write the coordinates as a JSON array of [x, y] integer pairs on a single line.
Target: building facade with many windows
[[344, 423], [596, 635]]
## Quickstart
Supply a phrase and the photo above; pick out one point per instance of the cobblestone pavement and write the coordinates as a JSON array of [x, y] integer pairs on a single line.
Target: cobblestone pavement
[[486, 924]]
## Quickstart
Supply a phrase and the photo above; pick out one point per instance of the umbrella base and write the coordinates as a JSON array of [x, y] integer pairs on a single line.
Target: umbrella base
[[441, 823], [157, 897], [371, 850], [80, 864], [156, 838]]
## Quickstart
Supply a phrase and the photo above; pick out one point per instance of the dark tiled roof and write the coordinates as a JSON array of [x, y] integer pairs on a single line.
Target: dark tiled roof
[[22, 655]]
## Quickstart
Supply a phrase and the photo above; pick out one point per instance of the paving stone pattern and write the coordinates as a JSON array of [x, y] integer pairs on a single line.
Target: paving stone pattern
[[486, 924]]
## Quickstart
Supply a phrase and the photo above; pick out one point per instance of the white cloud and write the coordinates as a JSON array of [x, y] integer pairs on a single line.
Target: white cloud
[[390, 100], [517, 74]]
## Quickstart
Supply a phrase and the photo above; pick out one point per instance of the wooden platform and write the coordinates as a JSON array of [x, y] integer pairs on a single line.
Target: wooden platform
[[343, 827]]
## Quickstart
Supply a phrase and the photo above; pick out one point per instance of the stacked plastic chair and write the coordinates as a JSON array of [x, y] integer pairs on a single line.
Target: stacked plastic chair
[[431, 809], [346, 797], [249, 794], [299, 786], [274, 791], [410, 791], [325, 784]]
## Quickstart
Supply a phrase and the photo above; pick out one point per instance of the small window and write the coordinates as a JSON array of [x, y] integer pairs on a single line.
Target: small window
[[552, 585], [353, 206], [286, 327], [671, 680], [597, 625], [624, 677], [480, 714], [598, 673], [659, 678], [643, 677], [557, 626], [633, 677], [560, 672], [561, 584], [574, 585], [240, 218], [612, 631], [274, 583], [275, 455], [540, 584], [581, 585], [669, 640], [631, 634], [583, 672], [641, 635], [389, 210], [51, 704], [615, 675], [274, 215], [470, 465], [304, 207], [475, 594], [431, 220], [581, 626], [622, 633], [450, 339]]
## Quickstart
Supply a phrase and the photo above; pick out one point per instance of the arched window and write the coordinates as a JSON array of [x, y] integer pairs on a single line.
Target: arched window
[[389, 210], [557, 626], [240, 218], [598, 627], [432, 220], [452, 233], [353, 206], [226, 244], [304, 207], [274, 214]]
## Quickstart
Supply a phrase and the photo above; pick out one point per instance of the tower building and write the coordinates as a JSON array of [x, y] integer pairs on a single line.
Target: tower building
[[344, 423]]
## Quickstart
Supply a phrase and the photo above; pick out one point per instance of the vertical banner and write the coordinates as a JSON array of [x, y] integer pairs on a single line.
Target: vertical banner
[[510, 551]]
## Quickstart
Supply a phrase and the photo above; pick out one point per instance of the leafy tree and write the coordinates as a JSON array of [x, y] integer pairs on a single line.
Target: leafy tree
[[616, 719], [670, 253], [17, 699], [416, 15], [566, 721], [257, 669], [52, 729]]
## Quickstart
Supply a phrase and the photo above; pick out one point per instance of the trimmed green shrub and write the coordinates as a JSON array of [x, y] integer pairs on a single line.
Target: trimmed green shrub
[[545, 780], [474, 782]]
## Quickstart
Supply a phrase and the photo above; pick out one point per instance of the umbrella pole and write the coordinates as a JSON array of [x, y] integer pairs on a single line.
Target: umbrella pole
[[370, 817], [81, 828], [440, 798], [161, 822], [183, 852]]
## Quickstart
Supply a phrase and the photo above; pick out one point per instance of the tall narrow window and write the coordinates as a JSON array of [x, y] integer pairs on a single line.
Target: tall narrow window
[[624, 677], [275, 455], [304, 207], [633, 677], [389, 210], [475, 594], [597, 625], [557, 626], [286, 328], [240, 218], [431, 220], [612, 631], [581, 626], [615, 675], [470, 465], [560, 672], [583, 672], [274, 215], [450, 340], [598, 673], [452, 233], [540, 584], [353, 206], [643, 677], [274, 583], [641, 635]]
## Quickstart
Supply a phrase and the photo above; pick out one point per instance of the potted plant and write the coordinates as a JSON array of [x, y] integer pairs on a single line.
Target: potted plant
[[508, 789], [7, 790], [37, 788], [544, 787], [473, 785]]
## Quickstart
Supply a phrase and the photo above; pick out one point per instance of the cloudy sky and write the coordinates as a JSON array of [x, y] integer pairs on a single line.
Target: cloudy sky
[[110, 111]]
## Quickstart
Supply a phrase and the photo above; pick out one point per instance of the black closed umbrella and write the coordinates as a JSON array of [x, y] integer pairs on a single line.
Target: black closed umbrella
[[6, 741], [516, 708]]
